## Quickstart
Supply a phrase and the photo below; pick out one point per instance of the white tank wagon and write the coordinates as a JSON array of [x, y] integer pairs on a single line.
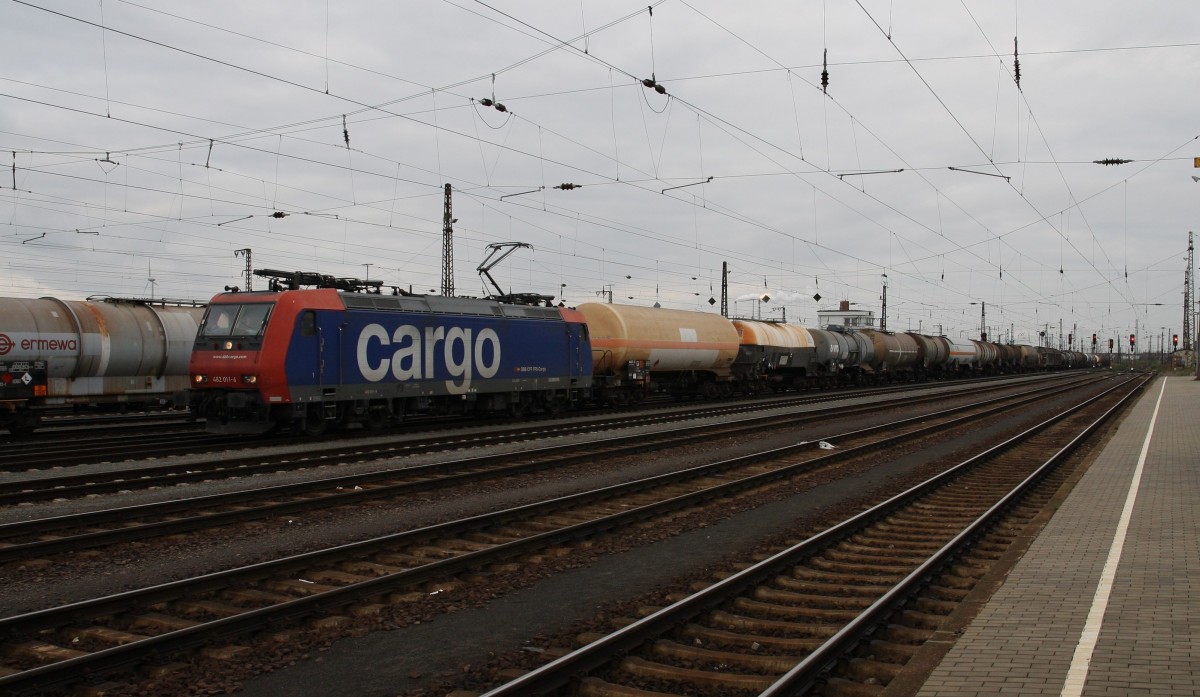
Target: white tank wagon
[[99, 353]]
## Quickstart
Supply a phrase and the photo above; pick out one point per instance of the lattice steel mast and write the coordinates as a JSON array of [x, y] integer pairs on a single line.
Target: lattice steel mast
[[1189, 299], [448, 248]]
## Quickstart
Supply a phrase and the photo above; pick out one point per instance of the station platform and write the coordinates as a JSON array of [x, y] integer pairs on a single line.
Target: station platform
[[1106, 600]]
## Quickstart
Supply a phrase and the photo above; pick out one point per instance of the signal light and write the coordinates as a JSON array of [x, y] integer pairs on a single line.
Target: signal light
[[1110, 345], [1132, 340], [1093, 339], [1175, 340]]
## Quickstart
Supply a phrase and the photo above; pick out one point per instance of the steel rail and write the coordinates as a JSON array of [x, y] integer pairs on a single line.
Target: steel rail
[[71, 670], [559, 672], [189, 513]]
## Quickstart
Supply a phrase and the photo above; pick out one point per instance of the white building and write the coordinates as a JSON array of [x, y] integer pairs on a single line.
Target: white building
[[845, 317]]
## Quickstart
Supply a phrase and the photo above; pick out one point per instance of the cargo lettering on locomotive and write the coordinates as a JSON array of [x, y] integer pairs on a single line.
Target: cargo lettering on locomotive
[[415, 356]]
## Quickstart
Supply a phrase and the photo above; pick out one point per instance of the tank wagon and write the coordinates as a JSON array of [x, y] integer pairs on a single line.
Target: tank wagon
[[639, 350], [312, 358], [100, 353], [774, 355], [893, 356], [837, 356]]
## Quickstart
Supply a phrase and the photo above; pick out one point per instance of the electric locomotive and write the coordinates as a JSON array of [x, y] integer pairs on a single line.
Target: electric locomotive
[[311, 358]]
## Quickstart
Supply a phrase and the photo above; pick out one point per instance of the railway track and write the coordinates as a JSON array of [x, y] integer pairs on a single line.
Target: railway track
[[60, 646], [42, 537], [181, 438], [841, 612], [143, 476]]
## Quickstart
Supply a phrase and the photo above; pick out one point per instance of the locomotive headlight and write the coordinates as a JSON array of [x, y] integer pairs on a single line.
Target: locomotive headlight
[[199, 379], [249, 379], [228, 345]]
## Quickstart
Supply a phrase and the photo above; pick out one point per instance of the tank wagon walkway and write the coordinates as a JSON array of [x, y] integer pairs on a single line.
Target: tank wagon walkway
[[1107, 599]]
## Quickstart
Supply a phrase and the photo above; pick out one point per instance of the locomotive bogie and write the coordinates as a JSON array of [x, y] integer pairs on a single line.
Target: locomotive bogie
[[102, 353]]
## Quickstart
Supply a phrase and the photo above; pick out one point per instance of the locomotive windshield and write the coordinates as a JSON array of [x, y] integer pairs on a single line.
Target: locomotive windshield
[[235, 320]]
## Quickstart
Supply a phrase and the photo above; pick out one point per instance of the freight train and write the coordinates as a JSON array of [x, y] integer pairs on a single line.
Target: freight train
[[100, 353], [311, 358]]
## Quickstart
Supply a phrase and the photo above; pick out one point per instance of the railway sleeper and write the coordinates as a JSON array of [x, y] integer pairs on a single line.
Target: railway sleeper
[[773, 595], [336, 577], [595, 687], [891, 652], [916, 542], [155, 623], [951, 595], [792, 613], [921, 620], [370, 569], [708, 635], [254, 597], [866, 670], [490, 537], [836, 589], [967, 568], [933, 606], [732, 621], [682, 653], [641, 668], [293, 587], [101, 636], [899, 554], [906, 522], [868, 564], [203, 609], [841, 687], [901, 634], [837, 575], [27, 654]]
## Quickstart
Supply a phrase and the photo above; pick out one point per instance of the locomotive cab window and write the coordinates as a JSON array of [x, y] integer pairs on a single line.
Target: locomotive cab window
[[235, 320], [308, 323]]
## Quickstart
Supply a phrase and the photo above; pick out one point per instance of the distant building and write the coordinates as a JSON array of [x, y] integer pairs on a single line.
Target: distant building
[[845, 317]]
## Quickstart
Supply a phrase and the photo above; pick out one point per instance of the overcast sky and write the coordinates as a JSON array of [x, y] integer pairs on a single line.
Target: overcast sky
[[153, 140]]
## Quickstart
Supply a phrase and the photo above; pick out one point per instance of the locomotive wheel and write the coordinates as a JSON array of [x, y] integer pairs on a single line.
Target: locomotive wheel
[[314, 421], [376, 420]]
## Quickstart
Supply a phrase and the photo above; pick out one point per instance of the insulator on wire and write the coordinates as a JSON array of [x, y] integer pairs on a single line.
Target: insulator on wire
[[825, 72], [1016, 64]]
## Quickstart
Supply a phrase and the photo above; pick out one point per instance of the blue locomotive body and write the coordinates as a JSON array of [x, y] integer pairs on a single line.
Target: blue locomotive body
[[329, 358]]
